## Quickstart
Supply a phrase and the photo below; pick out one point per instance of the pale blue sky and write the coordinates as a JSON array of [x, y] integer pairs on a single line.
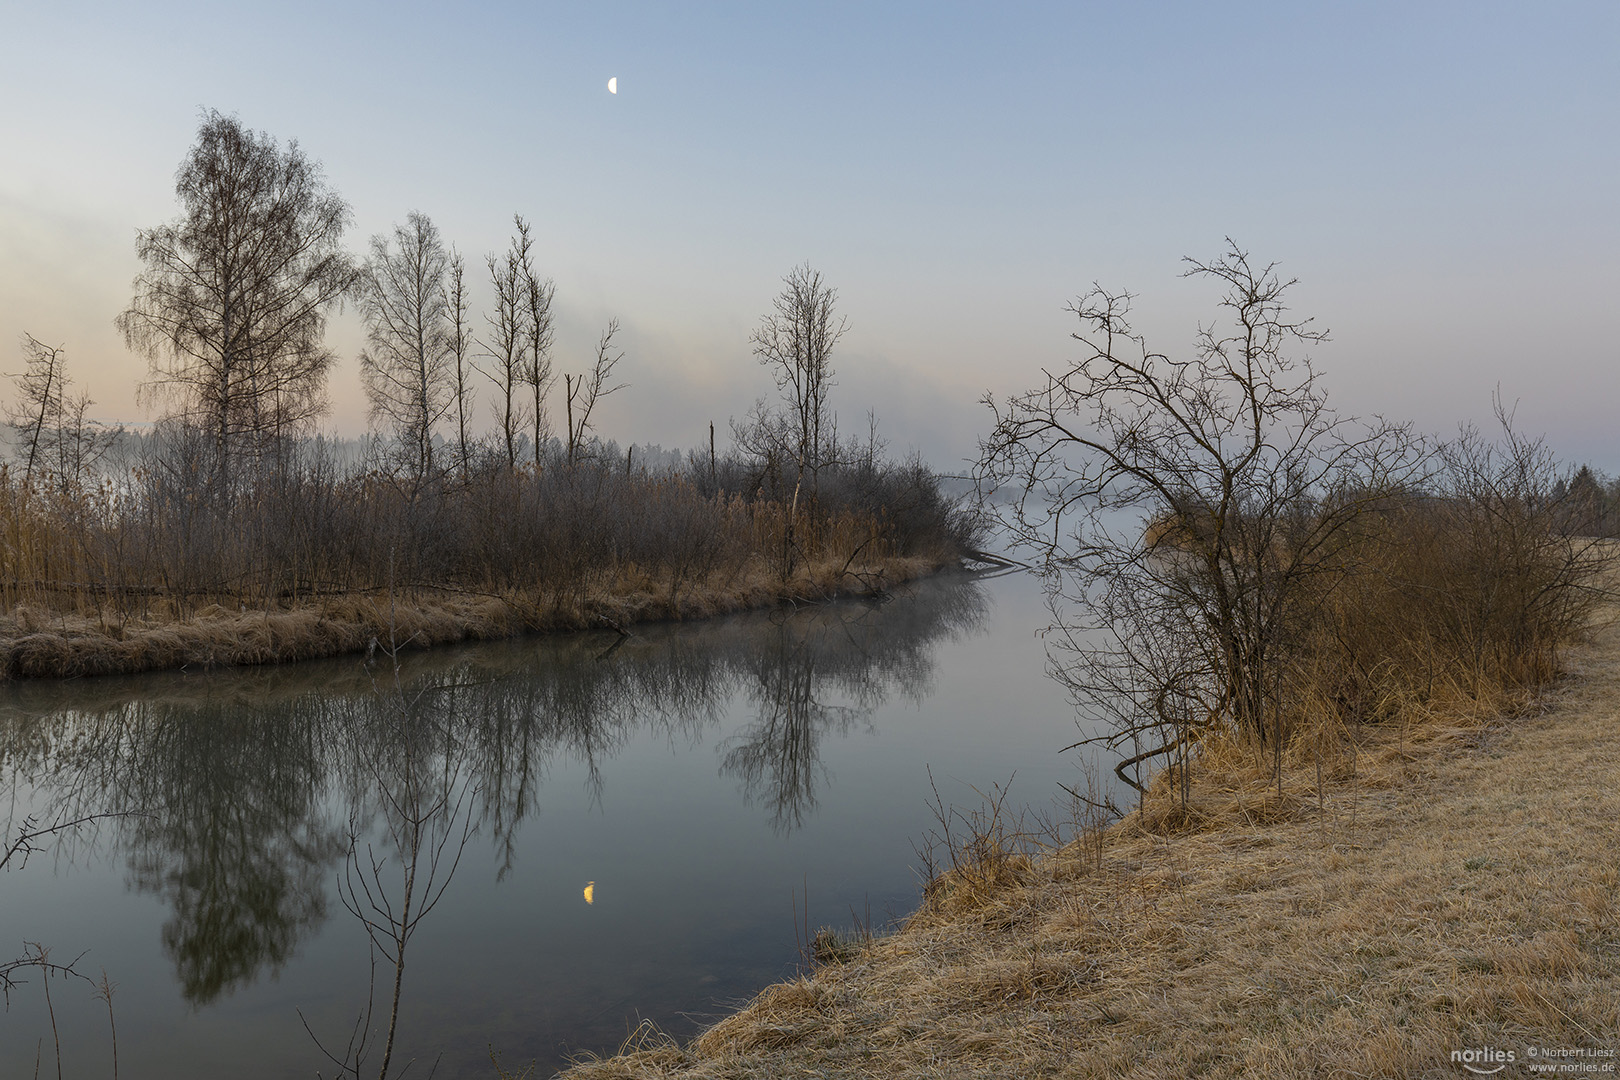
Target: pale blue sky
[[1441, 177]]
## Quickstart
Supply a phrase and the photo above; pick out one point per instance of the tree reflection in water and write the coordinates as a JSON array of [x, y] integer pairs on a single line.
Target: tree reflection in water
[[406, 845], [252, 782], [237, 847]]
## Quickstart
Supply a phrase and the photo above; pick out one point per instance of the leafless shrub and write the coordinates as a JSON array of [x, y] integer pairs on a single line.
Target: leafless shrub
[[973, 854], [1226, 557], [155, 544]]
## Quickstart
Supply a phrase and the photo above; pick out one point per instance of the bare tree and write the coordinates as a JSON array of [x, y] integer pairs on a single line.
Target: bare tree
[[796, 341], [78, 443], [232, 306], [766, 437], [461, 342], [408, 368], [1249, 489], [589, 389], [424, 782], [537, 296], [39, 400], [507, 345], [55, 437]]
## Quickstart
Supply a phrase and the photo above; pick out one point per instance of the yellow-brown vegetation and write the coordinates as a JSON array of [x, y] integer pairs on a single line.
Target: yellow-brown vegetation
[[38, 642], [150, 573]]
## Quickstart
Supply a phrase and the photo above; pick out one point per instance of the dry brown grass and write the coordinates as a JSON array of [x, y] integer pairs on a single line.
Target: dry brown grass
[[1454, 885], [35, 642], [155, 568]]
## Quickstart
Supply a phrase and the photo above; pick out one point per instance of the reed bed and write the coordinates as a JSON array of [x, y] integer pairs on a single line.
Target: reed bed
[[153, 569]]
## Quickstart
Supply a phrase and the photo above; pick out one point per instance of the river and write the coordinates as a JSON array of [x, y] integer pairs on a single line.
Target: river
[[603, 831]]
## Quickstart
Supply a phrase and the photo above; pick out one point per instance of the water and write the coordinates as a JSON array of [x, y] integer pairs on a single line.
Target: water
[[710, 780]]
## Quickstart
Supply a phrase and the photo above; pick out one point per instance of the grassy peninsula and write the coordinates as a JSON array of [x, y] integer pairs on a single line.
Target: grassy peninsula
[[308, 559]]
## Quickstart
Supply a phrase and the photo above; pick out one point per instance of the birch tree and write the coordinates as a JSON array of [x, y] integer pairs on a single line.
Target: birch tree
[[409, 368], [461, 342], [232, 305], [506, 344]]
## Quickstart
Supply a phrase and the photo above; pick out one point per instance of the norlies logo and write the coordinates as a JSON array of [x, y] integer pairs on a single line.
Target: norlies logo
[[1484, 1061]]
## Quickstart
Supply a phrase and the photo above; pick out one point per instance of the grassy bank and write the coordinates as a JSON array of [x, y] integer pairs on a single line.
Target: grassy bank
[[1448, 884], [155, 568], [37, 642]]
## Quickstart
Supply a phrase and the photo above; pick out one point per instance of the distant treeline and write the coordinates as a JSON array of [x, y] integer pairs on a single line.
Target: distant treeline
[[1588, 504]]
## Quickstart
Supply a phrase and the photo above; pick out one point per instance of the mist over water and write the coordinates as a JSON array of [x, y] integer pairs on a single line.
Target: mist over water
[[704, 779]]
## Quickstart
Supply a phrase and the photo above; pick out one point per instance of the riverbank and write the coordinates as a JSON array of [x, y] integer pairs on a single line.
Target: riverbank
[[1454, 889], [37, 643]]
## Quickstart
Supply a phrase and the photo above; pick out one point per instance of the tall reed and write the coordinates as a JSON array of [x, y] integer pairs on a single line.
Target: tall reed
[[156, 543]]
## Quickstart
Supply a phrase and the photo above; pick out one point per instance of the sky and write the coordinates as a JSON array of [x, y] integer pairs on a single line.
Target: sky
[[1441, 178]]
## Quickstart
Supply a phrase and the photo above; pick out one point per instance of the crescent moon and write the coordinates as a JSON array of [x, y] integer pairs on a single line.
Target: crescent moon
[[613, 85], [590, 892]]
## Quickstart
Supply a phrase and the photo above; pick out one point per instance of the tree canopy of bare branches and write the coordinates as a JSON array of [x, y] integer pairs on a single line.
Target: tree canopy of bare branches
[[589, 389], [537, 297], [1187, 509], [409, 367], [507, 344], [231, 307], [39, 404], [55, 438], [461, 342], [795, 340]]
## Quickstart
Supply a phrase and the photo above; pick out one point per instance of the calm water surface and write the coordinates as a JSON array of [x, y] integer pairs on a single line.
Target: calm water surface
[[701, 777]]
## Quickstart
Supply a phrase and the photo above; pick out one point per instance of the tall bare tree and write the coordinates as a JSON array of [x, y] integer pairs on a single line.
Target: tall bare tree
[[408, 369], [587, 390], [231, 308], [537, 296], [796, 341], [507, 344], [461, 342]]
